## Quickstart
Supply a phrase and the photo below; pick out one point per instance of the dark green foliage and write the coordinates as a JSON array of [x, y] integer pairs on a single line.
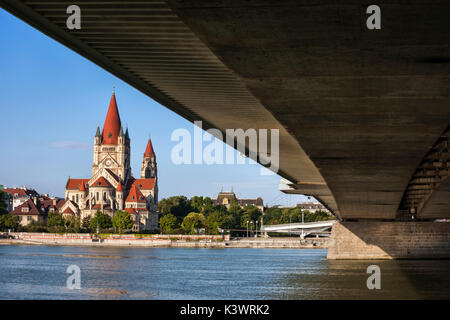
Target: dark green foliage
[[9, 221], [55, 219], [103, 221], [3, 197], [168, 223], [193, 222], [179, 206], [122, 221]]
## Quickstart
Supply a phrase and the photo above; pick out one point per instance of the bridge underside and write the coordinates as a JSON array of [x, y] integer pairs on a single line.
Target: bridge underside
[[363, 115]]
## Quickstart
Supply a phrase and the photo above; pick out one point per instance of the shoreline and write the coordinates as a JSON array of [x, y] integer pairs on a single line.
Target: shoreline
[[259, 243]]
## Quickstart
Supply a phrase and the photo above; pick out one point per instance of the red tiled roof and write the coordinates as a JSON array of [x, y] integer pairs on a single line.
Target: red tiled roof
[[68, 210], [119, 187], [135, 195], [130, 210], [51, 203], [21, 192], [101, 182], [145, 184], [32, 209], [112, 124], [75, 183], [149, 150], [99, 206], [60, 204]]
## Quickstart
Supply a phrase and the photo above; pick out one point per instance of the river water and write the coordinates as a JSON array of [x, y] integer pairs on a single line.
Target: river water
[[39, 272]]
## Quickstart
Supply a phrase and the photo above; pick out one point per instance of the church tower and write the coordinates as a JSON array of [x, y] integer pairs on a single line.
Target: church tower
[[112, 146], [148, 169]]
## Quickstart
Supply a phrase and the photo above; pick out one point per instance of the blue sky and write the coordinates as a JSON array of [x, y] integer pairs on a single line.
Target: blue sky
[[51, 102]]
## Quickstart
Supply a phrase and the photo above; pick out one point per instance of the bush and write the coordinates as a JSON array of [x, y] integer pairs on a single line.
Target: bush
[[36, 227]]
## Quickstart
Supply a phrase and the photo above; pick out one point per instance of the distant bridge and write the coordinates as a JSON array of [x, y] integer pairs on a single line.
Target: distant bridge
[[303, 229]]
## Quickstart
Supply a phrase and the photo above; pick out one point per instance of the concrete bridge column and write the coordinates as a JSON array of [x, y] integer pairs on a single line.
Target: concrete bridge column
[[389, 240]]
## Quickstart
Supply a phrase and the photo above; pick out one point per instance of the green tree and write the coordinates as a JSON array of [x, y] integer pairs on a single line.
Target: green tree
[[122, 221], [168, 223], [272, 216], [55, 219], [86, 224], [3, 197], [72, 224], [214, 221], [179, 206], [317, 216], [291, 215], [207, 205], [102, 220], [250, 213], [9, 221], [197, 203], [193, 222]]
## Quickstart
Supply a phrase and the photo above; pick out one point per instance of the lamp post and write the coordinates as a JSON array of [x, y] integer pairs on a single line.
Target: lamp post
[[251, 225], [290, 225], [256, 228], [247, 227], [303, 221]]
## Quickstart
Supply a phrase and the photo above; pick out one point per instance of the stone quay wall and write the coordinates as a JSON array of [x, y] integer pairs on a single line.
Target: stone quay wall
[[180, 241], [389, 240]]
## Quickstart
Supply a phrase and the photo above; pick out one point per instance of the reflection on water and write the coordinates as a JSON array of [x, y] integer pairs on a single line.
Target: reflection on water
[[39, 272]]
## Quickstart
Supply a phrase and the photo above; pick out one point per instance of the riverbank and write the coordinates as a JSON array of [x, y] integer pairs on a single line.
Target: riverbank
[[172, 241]]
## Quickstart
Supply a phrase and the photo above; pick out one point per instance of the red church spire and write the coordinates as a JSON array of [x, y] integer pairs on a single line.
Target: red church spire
[[112, 124], [149, 150]]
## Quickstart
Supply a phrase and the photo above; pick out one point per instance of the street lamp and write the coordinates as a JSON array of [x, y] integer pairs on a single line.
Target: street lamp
[[247, 227], [290, 225], [251, 227], [303, 221], [256, 228]]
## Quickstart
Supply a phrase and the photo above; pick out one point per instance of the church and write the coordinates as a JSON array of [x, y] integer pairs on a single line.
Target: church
[[112, 186]]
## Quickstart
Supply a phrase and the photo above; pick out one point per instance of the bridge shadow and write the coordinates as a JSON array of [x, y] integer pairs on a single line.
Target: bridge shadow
[[347, 279]]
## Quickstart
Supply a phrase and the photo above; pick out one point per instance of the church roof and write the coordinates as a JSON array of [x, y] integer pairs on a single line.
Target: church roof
[[130, 210], [101, 182], [135, 195], [145, 184], [149, 150], [111, 128], [75, 183], [119, 187]]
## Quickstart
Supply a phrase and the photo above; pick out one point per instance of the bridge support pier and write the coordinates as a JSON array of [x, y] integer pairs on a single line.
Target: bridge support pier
[[389, 240]]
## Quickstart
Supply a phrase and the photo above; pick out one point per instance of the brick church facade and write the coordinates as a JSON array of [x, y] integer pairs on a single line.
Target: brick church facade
[[112, 186]]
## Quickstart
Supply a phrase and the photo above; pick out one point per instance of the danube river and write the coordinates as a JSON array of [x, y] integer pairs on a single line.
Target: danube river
[[39, 272]]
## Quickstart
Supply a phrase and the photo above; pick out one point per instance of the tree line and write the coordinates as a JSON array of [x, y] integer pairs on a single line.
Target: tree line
[[179, 214]]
